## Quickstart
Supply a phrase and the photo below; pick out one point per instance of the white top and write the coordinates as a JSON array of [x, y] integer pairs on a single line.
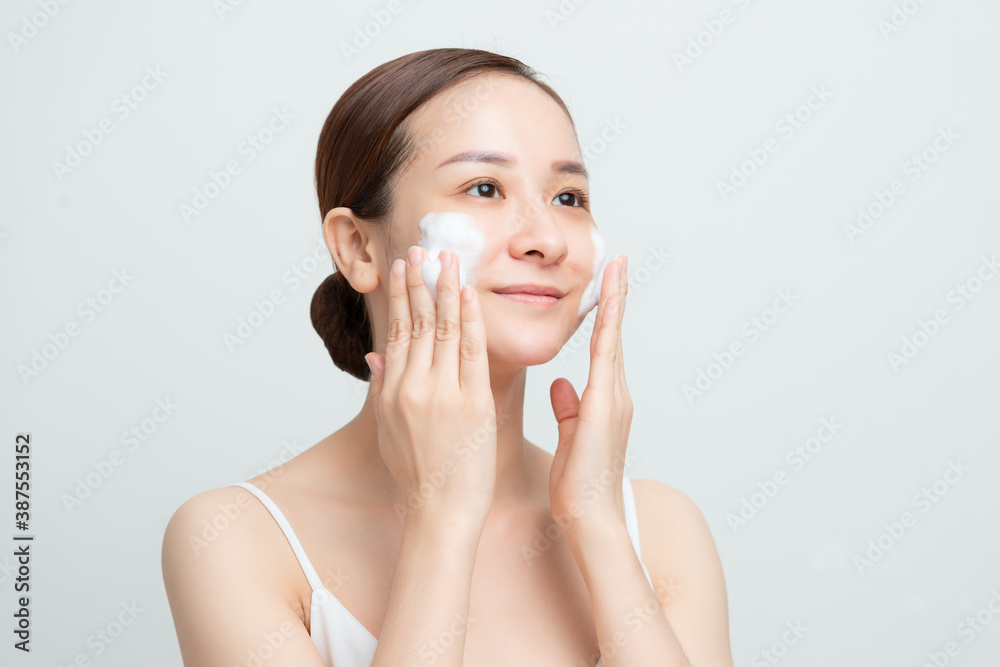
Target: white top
[[340, 638]]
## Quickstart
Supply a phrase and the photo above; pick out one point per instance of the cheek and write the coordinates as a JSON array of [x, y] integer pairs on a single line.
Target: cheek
[[592, 293], [457, 232]]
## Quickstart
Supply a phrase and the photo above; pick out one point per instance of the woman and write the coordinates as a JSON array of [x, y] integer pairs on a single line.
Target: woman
[[428, 530]]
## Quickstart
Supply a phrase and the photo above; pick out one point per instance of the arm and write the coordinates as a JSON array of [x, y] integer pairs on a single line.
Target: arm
[[632, 630], [687, 622], [683, 562], [227, 606], [428, 609]]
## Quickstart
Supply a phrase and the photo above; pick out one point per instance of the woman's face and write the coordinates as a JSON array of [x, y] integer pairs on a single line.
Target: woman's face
[[524, 197]]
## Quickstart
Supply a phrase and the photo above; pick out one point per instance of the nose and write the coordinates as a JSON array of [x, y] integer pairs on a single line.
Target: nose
[[537, 234]]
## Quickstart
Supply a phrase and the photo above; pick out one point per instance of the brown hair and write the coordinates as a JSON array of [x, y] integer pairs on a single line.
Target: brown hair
[[363, 148]]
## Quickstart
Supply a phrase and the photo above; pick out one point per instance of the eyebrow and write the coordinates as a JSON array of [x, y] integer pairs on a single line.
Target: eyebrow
[[508, 160]]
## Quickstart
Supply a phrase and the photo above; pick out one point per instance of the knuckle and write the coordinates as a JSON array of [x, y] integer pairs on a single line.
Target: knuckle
[[447, 329], [422, 325], [470, 349], [397, 331]]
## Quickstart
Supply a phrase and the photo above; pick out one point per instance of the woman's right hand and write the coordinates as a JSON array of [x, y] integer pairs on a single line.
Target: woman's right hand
[[432, 398]]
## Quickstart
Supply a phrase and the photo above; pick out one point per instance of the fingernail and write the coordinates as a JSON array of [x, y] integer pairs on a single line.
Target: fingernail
[[414, 255], [445, 259]]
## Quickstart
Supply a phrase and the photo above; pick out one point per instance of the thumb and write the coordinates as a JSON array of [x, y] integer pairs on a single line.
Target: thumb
[[566, 407], [565, 403]]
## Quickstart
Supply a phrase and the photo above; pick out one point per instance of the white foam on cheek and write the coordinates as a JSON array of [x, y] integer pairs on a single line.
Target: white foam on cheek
[[458, 233], [592, 295]]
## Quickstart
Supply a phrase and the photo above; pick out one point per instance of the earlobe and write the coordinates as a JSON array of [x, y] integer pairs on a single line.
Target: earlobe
[[347, 240]]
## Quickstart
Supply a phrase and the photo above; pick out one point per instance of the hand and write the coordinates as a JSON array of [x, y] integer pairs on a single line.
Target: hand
[[432, 394], [585, 482]]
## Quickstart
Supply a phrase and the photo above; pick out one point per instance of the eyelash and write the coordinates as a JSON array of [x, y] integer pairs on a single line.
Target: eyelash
[[582, 196]]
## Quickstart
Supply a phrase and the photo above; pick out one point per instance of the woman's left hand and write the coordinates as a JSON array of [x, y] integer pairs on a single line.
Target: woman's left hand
[[585, 483]]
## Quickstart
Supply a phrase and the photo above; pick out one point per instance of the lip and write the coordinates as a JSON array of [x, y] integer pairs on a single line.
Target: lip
[[531, 294], [531, 289]]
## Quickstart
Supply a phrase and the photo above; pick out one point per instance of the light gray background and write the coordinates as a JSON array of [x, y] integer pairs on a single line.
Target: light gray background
[[654, 187]]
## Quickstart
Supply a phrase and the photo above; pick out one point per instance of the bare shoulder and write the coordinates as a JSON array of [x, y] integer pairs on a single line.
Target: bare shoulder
[[229, 583], [680, 553]]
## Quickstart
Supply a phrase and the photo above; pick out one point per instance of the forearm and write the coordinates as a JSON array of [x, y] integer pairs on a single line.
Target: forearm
[[428, 607], [632, 629]]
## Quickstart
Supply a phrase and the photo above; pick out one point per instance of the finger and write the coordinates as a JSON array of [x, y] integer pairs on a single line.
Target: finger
[[398, 342], [619, 358], [604, 357], [607, 286], [474, 366], [448, 327], [377, 366], [422, 310]]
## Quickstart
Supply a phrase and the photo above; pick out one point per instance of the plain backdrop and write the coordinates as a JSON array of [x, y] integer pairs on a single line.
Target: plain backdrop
[[812, 183]]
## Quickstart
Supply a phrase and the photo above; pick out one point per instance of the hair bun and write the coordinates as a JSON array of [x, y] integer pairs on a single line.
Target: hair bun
[[339, 317]]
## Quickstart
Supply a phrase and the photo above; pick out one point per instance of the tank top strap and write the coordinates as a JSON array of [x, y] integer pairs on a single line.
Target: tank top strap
[[314, 580], [632, 522]]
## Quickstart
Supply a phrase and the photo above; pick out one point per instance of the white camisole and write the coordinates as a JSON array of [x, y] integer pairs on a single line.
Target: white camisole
[[340, 638]]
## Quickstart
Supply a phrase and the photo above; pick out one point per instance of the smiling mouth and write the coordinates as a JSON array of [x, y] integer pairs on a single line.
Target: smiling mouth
[[529, 299]]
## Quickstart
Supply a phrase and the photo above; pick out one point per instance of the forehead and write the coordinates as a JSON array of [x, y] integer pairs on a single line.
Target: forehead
[[493, 112]]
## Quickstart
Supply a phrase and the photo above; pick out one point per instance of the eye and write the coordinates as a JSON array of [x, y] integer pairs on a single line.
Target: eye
[[564, 198], [484, 187]]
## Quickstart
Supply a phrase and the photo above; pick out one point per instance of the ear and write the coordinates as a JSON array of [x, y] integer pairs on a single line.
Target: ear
[[350, 247]]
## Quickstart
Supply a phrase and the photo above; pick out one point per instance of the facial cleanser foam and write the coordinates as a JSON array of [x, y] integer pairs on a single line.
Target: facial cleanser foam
[[451, 231], [592, 295]]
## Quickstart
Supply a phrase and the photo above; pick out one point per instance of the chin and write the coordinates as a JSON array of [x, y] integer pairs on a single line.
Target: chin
[[524, 341]]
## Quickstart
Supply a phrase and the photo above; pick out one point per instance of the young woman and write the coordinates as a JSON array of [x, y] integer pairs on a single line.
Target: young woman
[[428, 530]]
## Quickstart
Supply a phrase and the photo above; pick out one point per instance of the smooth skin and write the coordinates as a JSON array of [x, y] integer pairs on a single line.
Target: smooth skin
[[439, 548]]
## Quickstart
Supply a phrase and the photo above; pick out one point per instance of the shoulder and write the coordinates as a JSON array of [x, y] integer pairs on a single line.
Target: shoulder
[[674, 535], [214, 531], [227, 579], [680, 553]]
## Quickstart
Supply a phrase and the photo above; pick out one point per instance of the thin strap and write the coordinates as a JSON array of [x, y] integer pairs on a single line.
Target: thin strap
[[631, 515], [314, 581], [632, 522]]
